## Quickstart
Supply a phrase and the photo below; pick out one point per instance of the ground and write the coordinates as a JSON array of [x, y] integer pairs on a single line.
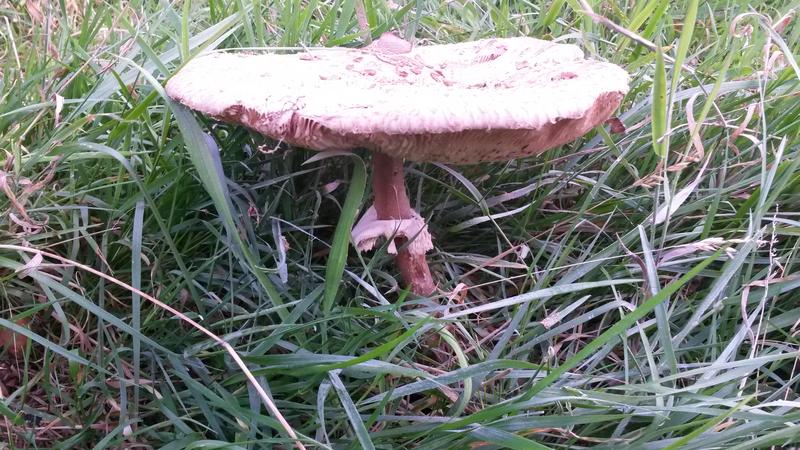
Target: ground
[[637, 287]]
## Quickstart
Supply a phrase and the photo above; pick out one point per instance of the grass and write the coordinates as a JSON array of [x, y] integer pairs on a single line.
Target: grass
[[634, 289]]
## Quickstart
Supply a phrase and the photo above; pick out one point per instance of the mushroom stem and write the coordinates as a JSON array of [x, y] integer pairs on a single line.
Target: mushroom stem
[[391, 202]]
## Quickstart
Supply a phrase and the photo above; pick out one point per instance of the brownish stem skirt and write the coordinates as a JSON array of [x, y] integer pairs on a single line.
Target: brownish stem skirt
[[391, 202]]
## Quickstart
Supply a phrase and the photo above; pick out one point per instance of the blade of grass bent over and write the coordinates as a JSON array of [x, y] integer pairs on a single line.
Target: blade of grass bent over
[[206, 161]]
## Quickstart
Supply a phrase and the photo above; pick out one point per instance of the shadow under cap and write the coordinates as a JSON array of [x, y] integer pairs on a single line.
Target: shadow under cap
[[488, 100]]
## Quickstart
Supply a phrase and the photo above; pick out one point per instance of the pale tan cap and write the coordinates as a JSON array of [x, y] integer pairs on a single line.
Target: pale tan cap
[[488, 100]]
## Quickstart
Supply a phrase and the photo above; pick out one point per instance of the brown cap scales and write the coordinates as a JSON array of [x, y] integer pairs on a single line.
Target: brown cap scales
[[488, 100]]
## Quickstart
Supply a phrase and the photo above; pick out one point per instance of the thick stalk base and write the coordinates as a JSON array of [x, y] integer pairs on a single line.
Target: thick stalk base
[[416, 272]]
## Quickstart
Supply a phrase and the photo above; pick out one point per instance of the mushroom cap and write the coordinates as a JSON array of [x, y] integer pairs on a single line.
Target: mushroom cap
[[487, 100]]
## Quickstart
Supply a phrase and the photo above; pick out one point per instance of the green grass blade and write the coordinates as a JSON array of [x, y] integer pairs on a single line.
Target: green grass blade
[[687, 30], [341, 237], [659, 107], [136, 299], [541, 294]]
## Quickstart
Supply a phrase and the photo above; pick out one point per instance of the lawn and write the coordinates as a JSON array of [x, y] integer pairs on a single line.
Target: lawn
[[163, 275]]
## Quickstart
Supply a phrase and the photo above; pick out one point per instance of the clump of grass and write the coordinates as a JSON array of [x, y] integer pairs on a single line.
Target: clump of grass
[[628, 289]]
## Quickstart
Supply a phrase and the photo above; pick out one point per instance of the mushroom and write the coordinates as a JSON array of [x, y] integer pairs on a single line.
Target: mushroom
[[466, 103]]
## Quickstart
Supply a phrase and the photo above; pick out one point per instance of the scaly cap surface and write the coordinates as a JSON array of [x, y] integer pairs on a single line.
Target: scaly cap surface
[[487, 100]]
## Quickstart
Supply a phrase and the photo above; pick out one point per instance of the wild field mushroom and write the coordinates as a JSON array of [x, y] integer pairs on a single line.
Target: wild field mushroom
[[473, 102]]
